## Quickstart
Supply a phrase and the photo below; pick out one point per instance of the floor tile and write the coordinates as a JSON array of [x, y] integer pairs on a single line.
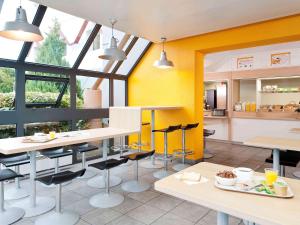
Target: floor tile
[[125, 220], [190, 211], [171, 219], [211, 219], [164, 202], [146, 214], [101, 216], [127, 205], [143, 196], [81, 207]]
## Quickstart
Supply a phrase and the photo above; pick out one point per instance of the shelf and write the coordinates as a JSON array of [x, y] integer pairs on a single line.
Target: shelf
[[267, 115], [276, 92]]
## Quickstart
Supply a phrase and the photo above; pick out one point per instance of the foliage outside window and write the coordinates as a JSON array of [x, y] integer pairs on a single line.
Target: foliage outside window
[[7, 88], [8, 131], [46, 127]]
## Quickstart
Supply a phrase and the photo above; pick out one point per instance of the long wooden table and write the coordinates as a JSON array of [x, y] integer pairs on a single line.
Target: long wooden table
[[276, 144], [38, 205], [263, 210]]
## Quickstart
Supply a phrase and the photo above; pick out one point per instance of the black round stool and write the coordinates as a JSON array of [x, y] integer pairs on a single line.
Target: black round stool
[[10, 215], [207, 133], [55, 154], [59, 216], [183, 152], [137, 185], [15, 160], [107, 199], [164, 173]]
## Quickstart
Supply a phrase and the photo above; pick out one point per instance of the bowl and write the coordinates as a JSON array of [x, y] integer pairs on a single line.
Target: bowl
[[226, 181]]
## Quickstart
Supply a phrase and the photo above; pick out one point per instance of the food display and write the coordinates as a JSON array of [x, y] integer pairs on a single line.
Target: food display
[[269, 185]]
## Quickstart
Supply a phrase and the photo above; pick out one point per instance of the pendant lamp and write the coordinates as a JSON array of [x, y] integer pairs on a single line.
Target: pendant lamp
[[163, 62], [20, 29], [113, 52]]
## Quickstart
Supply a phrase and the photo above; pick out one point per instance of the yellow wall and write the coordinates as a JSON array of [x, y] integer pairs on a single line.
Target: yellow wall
[[183, 85]]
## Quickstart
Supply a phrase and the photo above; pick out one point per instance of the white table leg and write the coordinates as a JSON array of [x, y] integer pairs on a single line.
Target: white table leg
[[152, 164], [276, 159], [222, 218], [34, 206], [99, 181]]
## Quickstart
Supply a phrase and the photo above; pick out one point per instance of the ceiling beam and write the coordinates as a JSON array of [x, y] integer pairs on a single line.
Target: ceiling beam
[[87, 45], [128, 49], [139, 59], [39, 15]]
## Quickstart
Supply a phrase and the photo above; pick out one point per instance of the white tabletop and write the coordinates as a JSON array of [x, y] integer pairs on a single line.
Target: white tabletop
[[15, 145], [259, 209], [274, 143]]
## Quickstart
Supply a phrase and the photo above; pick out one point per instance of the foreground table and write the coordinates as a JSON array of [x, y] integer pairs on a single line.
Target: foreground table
[[262, 210], [39, 205], [276, 144]]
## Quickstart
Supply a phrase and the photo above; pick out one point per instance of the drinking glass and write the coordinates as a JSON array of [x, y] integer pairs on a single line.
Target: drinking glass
[[271, 176]]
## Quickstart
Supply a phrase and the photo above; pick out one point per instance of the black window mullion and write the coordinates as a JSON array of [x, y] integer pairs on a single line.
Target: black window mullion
[[87, 45]]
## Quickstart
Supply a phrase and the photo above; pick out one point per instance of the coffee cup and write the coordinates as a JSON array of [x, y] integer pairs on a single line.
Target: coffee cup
[[243, 174]]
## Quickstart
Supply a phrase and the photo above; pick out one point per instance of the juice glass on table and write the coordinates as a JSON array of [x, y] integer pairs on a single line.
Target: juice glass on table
[[52, 134], [271, 176]]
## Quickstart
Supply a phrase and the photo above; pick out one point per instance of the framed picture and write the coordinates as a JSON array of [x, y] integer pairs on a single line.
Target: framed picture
[[245, 63], [280, 59]]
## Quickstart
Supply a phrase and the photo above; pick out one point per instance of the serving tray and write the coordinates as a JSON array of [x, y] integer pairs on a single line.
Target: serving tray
[[44, 140], [256, 181]]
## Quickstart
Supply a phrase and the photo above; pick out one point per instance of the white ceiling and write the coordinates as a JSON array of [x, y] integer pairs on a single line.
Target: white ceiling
[[175, 19]]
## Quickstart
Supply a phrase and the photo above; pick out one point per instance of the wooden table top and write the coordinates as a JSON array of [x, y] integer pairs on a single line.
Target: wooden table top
[[295, 130], [259, 209], [15, 145], [274, 143]]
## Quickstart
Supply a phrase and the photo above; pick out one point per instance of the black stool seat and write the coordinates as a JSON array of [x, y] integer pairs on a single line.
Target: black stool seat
[[56, 153], [85, 147], [145, 123], [7, 174], [207, 132], [190, 126], [14, 159], [168, 129], [61, 177], [288, 158], [108, 164], [138, 155]]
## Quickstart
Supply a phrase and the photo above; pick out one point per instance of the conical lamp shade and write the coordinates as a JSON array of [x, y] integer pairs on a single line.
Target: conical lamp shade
[[20, 29], [112, 53], [163, 62]]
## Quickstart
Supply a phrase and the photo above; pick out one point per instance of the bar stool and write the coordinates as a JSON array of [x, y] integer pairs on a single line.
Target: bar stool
[[83, 149], [59, 216], [55, 154], [15, 160], [107, 199], [139, 144], [136, 185], [121, 148], [207, 133], [164, 173], [288, 158], [10, 215], [183, 152]]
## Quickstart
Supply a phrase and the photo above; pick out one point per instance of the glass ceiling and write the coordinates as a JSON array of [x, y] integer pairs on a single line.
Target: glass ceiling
[[70, 34]]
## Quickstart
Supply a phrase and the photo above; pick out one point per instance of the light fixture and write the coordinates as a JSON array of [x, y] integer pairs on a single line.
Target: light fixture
[[20, 29], [163, 62], [112, 53]]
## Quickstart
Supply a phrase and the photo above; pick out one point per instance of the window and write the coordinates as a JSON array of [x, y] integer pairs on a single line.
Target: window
[[64, 38], [133, 56], [10, 49], [8, 131], [7, 88], [47, 91], [119, 93], [46, 127], [92, 92], [91, 60]]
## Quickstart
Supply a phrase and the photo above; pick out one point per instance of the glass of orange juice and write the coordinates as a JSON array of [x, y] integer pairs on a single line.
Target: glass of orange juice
[[52, 134], [271, 176]]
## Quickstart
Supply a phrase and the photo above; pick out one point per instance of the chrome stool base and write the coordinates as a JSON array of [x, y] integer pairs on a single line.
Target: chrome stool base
[[99, 181], [135, 186], [16, 193], [149, 164], [106, 200], [162, 174], [11, 215]]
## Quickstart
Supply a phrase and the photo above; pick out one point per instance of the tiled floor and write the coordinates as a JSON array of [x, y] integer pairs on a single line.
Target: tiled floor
[[152, 207]]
